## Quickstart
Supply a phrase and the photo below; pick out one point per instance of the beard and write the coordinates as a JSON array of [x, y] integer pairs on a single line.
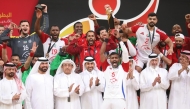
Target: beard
[[114, 64], [43, 69], [23, 32], [55, 37], [153, 67], [178, 46], [90, 41], [12, 74], [151, 24]]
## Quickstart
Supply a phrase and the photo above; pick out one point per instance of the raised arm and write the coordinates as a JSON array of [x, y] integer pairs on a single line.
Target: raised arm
[[170, 44], [125, 55], [164, 58], [37, 23], [29, 59], [40, 33], [4, 52], [131, 48], [8, 30], [73, 48], [103, 57], [126, 29], [187, 18], [45, 25]]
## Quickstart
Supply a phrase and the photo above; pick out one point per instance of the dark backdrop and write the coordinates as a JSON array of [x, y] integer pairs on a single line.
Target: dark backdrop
[[170, 12]]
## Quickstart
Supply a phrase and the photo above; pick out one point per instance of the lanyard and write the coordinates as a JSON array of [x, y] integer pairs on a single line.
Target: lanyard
[[151, 37], [50, 47], [177, 56], [90, 52]]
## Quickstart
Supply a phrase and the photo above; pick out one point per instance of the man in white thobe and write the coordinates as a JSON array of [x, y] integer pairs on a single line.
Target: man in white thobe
[[94, 84], [68, 86], [179, 74], [132, 85], [153, 85], [12, 90], [39, 86], [116, 78]]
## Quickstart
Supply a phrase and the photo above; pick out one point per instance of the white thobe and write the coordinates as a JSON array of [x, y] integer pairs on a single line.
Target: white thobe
[[8, 88], [92, 97], [180, 88], [39, 89], [132, 85], [153, 97], [62, 82]]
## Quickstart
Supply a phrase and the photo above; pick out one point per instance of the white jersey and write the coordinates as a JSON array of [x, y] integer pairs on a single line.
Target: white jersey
[[55, 49], [146, 42], [115, 86]]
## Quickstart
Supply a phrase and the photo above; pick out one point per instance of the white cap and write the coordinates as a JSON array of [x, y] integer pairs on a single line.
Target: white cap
[[180, 36]]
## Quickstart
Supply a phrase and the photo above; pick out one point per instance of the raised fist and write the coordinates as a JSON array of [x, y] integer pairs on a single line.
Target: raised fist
[[92, 17]]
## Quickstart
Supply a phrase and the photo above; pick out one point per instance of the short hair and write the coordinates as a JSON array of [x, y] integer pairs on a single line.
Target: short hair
[[114, 53], [89, 32], [76, 24], [152, 14], [1, 25], [24, 21], [54, 26], [15, 55], [38, 55], [100, 29]]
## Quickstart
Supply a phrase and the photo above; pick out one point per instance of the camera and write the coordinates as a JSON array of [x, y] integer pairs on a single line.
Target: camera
[[38, 6]]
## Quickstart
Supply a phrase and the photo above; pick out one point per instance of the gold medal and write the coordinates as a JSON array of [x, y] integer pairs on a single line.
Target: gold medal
[[47, 55]]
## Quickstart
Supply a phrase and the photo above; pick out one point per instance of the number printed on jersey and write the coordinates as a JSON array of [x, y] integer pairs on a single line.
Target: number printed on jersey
[[25, 47], [54, 51]]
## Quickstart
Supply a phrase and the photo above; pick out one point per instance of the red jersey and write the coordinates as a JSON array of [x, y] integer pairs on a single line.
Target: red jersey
[[84, 50]]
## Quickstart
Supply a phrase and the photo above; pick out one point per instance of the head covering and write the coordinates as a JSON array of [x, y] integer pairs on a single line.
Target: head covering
[[90, 59], [59, 69], [134, 63], [153, 56], [179, 35], [35, 68], [17, 80], [187, 53]]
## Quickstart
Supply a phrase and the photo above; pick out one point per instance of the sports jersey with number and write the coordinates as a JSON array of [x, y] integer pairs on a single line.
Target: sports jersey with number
[[46, 40], [22, 46], [146, 42]]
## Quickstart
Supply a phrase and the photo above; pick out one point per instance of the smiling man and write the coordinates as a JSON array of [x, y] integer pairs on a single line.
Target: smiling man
[[148, 36], [51, 43], [91, 47], [39, 86], [22, 44], [94, 85]]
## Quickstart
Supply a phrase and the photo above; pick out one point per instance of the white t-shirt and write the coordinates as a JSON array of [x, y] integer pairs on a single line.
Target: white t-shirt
[[144, 46], [55, 50]]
